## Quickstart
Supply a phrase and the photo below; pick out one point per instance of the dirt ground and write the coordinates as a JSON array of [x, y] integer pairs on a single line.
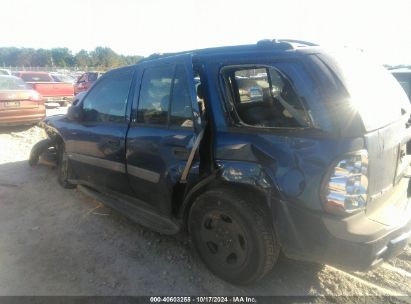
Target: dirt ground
[[58, 242]]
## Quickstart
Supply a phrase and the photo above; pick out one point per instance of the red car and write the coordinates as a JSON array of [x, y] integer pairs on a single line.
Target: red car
[[19, 103], [52, 91], [85, 81]]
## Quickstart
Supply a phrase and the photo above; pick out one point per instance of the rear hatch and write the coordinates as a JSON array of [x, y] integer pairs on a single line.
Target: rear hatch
[[374, 96], [15, 94], [12, 100]]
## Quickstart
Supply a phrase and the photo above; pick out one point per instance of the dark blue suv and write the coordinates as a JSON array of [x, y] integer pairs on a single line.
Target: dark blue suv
[[255, 149]]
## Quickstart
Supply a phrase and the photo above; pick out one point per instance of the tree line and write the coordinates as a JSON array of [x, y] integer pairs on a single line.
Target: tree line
[[99, 58]]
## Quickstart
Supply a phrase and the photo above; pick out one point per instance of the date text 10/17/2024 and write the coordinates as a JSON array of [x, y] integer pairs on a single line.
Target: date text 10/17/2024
[[200, 299]]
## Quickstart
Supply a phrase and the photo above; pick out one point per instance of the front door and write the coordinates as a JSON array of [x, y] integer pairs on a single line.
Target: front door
[[162, 132]]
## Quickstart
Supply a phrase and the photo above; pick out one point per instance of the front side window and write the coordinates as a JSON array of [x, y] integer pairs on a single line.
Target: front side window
[[107, 101], [92, 77], [82, 78], [264, 97]]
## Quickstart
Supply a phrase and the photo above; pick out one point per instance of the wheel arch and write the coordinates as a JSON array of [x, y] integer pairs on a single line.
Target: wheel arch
[[257, 194]]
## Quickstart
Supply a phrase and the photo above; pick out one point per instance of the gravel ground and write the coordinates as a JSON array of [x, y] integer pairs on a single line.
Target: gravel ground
[[58, 242]]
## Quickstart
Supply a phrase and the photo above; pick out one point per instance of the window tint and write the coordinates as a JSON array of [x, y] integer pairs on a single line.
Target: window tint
[[107, 101], [82, 78], [264, 97], [368, 89], [181, 114], [155, 95], [92, 76], [36, 77]]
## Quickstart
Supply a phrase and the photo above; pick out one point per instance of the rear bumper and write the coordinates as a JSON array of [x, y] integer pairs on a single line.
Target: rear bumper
[[58, 98], [22, 116], [355, 243]]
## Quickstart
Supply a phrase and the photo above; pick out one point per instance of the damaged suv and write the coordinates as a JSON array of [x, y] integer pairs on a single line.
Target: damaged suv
[[255, 149]]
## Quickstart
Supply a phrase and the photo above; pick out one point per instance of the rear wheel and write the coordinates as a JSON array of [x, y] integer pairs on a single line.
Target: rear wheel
[[64, 169], [233, 235]]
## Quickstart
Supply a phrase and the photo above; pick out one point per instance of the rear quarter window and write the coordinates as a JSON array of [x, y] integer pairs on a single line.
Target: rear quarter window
[[362, 87], [270, 96]]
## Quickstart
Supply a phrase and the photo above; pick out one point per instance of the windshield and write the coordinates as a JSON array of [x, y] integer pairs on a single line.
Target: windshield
[[371, 90], [62, 78], [12, 83]]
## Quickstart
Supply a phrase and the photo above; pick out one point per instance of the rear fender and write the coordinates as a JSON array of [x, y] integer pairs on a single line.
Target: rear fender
[[238, 176]]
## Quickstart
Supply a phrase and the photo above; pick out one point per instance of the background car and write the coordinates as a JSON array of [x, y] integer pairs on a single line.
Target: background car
[[54, 93], [85, 81], [19, 103], [5, 72]]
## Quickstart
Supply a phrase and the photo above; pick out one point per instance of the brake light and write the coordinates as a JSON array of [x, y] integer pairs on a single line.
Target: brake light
[[345, 188]]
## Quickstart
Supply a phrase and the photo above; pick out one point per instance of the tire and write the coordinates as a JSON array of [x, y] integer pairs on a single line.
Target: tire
[[37, 150], [233, 235], [64, 170]]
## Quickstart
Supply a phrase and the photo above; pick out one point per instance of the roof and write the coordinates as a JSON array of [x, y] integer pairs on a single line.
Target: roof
[[8, 76], [262, 45]]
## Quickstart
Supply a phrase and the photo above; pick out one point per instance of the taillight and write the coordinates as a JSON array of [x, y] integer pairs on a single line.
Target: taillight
[[346, 186], [35, 96]]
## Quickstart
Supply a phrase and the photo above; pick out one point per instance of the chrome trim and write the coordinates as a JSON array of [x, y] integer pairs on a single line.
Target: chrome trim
[[145, 174], [98, 162]]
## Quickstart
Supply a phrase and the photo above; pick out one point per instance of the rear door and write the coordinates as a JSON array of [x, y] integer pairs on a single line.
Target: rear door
[[162, 131], [96, 145]]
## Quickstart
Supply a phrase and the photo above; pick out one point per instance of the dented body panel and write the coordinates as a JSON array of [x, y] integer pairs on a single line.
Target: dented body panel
[[286, 167]]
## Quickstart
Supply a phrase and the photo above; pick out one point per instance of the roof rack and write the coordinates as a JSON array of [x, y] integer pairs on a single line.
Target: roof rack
[[284, 43], [277, 44], [299, 42]]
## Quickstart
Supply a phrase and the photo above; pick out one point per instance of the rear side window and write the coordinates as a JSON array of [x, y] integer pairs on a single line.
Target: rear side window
[[155, 95], [165, 97], [181, 113], [264, 97], [368, 88], [107, 101]]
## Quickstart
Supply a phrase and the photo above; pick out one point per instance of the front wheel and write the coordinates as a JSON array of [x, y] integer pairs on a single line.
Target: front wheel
[[233, 235], [64, 170]]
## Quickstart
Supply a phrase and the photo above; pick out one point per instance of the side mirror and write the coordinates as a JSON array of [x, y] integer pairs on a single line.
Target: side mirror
[[75, 113]]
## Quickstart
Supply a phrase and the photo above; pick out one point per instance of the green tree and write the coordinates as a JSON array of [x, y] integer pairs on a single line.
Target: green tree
[[41, 58], [25, 57], [62, 57], [82, 59], [103, 57], [100, 58]]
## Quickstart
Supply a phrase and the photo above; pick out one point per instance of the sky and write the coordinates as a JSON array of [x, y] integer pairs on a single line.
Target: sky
[[142, 27]]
